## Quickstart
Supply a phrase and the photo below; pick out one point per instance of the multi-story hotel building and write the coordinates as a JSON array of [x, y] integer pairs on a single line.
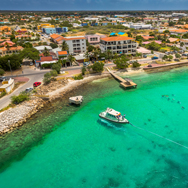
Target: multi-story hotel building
[[119, 45]]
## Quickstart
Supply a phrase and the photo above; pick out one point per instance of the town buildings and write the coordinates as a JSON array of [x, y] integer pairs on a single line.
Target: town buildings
[[119, 45]]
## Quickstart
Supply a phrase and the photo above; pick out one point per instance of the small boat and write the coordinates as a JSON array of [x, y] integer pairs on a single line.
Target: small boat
[[114, 116], [76, 100]]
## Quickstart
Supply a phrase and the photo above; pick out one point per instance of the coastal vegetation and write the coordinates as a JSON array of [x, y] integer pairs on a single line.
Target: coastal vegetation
[[23, 96], [121, 62]]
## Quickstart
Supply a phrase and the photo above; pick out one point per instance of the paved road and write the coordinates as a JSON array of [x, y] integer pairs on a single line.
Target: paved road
[[5, 101]]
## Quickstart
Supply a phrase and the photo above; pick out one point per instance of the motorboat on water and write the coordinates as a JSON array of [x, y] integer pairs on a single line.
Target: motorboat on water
[[113, 116], [76, 100]]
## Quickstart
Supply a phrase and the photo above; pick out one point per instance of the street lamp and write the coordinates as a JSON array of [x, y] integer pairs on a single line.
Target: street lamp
[[10, 66]]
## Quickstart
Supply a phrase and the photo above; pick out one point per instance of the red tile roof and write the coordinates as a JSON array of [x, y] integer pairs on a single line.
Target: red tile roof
[[118, 38], [62, 53]]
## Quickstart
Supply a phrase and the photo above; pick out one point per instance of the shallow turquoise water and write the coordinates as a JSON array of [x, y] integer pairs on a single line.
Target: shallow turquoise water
[[84, 152]]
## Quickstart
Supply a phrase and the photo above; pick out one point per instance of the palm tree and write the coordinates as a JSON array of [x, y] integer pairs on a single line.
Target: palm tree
[[65, 46], [46, 52], [71, 59], [87, 55], [108, 54], [96, 53]]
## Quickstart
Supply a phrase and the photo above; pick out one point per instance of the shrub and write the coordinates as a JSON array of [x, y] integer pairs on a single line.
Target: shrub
[[53, 73], [20, 98], [47, 78], [97, 67], [136, 64], [56, 67], [2, 94], [79, 77], [2, 72], [83, 70]]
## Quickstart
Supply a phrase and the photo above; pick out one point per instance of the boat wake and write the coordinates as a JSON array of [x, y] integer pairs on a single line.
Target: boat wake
[[112, 125]]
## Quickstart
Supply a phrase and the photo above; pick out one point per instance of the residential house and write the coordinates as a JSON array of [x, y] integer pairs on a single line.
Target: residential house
[[84, 24], [141, 26], [173, 40], [7, 85], [185, 42], [45, 60], [42, 48], [114, 23], [23, 37], [178, 31], [10, 50], [57, 38], [62, 54], [22, 31], [148, 37], [94, 39], [104, 23], [118, 44], [9, 43], [5, 29], [45, 19], [49, 30]]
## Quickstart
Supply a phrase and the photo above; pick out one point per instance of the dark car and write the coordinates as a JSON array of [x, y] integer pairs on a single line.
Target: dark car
[[145, 56], [176, 60], [184, 54], [28, 90], [2, 78], [36, 84]]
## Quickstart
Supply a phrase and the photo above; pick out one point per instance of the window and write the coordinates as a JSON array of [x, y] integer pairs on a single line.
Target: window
[[82, 43]]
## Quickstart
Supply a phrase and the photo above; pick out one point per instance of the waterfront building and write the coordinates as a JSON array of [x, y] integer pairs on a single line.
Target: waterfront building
[[118, 44]]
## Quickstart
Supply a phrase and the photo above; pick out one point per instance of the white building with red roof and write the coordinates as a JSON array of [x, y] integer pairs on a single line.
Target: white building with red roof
[[119, 45]]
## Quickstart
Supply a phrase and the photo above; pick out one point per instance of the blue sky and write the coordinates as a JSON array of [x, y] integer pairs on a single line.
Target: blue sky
[[93, 4]]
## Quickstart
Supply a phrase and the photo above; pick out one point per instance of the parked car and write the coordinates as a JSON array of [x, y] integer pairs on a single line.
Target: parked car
[[29, 89], [176, 60], [145, 56], [36, 84], [85, 63], [155, 57], [2, 78], [184, 54]]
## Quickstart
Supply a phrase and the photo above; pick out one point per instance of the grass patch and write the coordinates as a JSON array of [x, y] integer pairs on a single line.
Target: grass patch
[[6, 108], [2, 94]]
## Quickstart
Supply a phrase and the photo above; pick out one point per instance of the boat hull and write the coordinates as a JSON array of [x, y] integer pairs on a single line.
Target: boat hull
[[119, 122]]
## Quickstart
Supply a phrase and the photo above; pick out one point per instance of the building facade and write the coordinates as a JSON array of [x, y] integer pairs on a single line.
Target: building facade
[[119, 45], [76, 45]]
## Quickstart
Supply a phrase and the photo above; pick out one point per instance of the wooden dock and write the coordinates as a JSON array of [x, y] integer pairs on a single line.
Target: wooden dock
[[126, 83]]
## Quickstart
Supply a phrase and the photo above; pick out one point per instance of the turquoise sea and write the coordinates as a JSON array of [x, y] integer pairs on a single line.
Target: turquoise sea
[[70, 147]]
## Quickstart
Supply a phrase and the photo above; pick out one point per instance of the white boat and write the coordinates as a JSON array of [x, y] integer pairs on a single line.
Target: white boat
[[76, 99], [114, 116]]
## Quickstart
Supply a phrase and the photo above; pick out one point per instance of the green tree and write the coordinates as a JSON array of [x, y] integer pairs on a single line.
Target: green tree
[[2, 72], [108, 54], [65, 46], [87, 55], [30, 53], [90, 48], [153, 46], [53, 73], [83, 70], [46, 52], [121, 62], [135, 64], [20, 98], [178, 55], [97, 67], [47, 78], [56, 67], [181, 44], [165, 57], [71, 59], [53, 45], [170, 57]]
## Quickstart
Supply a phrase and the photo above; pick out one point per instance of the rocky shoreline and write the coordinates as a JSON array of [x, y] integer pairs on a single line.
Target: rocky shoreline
[[17, 116]]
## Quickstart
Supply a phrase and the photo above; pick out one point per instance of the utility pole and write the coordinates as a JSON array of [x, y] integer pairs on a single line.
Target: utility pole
[[10, 66]]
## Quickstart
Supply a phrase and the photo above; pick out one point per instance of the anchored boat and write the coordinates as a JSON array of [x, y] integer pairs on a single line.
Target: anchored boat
[[76, 100], [114, 116]]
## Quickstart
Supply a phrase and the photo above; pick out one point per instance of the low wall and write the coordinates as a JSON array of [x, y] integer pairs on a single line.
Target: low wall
[[165, 67]]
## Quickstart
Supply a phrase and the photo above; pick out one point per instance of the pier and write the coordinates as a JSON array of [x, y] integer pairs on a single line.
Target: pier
[[126, 83]]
